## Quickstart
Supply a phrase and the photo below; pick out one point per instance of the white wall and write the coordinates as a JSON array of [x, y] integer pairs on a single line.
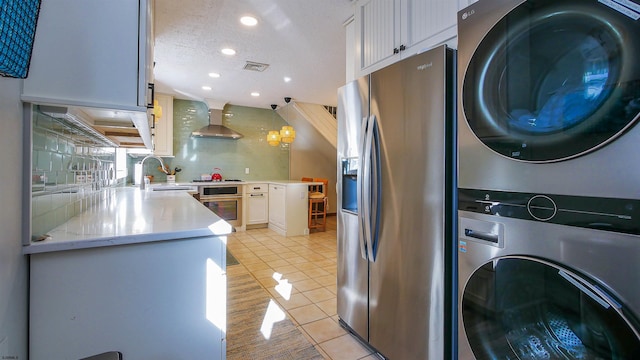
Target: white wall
[[13, 265], [312, 156]]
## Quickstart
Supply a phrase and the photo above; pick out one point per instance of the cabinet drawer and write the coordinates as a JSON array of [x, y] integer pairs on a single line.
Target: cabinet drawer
[[257, 188]]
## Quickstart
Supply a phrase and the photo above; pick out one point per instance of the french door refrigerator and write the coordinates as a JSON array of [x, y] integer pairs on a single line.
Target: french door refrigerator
[[396, 216]]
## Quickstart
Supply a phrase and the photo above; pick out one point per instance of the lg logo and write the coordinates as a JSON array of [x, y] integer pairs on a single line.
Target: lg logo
[[466, 14], [425, 66]]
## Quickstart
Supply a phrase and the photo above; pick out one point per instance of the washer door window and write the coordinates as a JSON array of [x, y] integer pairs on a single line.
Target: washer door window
[[524, 308], [555, 79]]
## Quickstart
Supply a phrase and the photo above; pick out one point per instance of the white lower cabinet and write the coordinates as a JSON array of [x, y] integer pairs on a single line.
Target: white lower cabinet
[[257, 204], [156, 300], [277, 206], [288, 209]]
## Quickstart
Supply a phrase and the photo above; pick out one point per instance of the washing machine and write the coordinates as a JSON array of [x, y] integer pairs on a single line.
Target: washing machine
[[549, 179], [549, 96]]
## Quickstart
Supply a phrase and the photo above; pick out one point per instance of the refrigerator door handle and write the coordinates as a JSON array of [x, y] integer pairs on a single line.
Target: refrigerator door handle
[[367, 193], [362, 239], [375, 189]]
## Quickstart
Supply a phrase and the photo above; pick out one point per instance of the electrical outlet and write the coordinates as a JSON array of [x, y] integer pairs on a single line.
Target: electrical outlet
[[246, 171]]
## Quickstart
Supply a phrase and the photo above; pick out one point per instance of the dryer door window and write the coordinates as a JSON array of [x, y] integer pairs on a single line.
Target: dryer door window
[[555, 79], [525, 308]]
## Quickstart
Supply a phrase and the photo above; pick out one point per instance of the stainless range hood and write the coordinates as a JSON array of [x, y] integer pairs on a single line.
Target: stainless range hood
[[215, 129]]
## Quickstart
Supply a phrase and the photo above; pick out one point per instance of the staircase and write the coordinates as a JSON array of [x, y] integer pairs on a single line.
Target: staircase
[[317, 115]]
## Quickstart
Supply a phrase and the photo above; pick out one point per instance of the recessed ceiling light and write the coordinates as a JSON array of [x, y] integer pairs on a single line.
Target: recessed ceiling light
[[248, 20], [206, 88], [287, 79], [255, 94], [214, 75], [228, 51]]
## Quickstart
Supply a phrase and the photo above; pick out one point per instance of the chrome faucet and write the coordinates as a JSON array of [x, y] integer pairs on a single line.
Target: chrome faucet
[[142, 184]]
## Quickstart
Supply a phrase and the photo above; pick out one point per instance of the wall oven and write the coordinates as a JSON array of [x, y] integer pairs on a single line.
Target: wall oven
[[224, 200]]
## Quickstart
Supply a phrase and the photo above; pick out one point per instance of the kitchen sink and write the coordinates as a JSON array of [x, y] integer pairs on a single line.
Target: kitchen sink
[[170, 187]]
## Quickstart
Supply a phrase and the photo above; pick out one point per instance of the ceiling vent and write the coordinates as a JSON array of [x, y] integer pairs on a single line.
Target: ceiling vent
[[255, 66]]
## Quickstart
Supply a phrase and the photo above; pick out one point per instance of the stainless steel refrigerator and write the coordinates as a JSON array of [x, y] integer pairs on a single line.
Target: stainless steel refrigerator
[[396, 214]]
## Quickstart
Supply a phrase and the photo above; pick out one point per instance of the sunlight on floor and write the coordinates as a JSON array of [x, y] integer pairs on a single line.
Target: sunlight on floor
[[273, 315], [299, 273], [284, 287]]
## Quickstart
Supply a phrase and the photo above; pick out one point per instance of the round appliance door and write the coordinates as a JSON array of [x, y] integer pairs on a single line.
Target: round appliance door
[[526, 308], [553, 80]]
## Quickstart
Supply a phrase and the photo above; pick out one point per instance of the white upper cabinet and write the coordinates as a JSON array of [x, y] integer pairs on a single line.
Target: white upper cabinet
[[390, 30], [163, 127], [377, 24], [93, 54], [427, 23]]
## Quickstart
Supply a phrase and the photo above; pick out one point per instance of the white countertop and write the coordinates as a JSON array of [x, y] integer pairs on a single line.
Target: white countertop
[[222, 183], [288, 182], [132, 216]]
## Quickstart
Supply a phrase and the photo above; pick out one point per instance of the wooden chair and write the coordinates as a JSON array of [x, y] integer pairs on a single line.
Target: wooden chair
[[318, 203]]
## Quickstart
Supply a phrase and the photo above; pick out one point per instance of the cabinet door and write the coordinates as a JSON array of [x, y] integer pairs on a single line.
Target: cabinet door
[[427, 23], [277, 205], [389, 30], [464, 3], [163, 127], [146, 49], [87, 53], [258, 208], [377, 32]]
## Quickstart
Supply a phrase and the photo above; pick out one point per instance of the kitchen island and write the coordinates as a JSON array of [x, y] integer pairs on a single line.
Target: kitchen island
[[281, 205], [143, 273]]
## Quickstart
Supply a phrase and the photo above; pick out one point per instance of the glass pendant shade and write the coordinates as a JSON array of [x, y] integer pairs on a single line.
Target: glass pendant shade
[[273, 138]]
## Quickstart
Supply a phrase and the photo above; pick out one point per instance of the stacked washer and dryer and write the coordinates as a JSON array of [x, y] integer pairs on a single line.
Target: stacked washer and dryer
[[549, 179]]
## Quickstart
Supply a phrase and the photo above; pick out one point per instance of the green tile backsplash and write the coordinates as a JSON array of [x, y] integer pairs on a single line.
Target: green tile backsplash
[[70, 172], [198, 156]]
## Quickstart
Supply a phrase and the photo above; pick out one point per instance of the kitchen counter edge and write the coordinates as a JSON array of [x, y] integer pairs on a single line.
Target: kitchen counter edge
[[132, 216]]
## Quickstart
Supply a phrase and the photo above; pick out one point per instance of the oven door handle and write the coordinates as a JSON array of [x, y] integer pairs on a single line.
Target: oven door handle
[[219, 198]]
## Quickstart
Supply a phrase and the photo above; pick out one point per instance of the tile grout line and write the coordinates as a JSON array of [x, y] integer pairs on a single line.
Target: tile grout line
[[257, 250]]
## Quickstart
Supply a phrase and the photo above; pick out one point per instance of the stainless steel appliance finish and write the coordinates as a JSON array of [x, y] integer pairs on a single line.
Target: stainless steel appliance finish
[[395, 216], [225, 200], [215, 129], [535, 290], [515, 58], [549, 101]]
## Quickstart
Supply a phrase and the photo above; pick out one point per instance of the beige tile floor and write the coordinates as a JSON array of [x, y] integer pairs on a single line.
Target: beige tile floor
[[300, 274]]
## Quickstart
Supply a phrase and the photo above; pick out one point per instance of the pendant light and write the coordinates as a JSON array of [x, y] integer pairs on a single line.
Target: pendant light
[[287, 133], [273, 137], [157, 110]]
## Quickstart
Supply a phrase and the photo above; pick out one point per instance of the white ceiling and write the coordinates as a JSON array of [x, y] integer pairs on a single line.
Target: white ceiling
[[300, 39]]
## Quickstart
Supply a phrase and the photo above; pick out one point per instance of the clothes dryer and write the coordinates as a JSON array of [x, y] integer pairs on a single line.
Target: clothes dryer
[[541, 290]]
